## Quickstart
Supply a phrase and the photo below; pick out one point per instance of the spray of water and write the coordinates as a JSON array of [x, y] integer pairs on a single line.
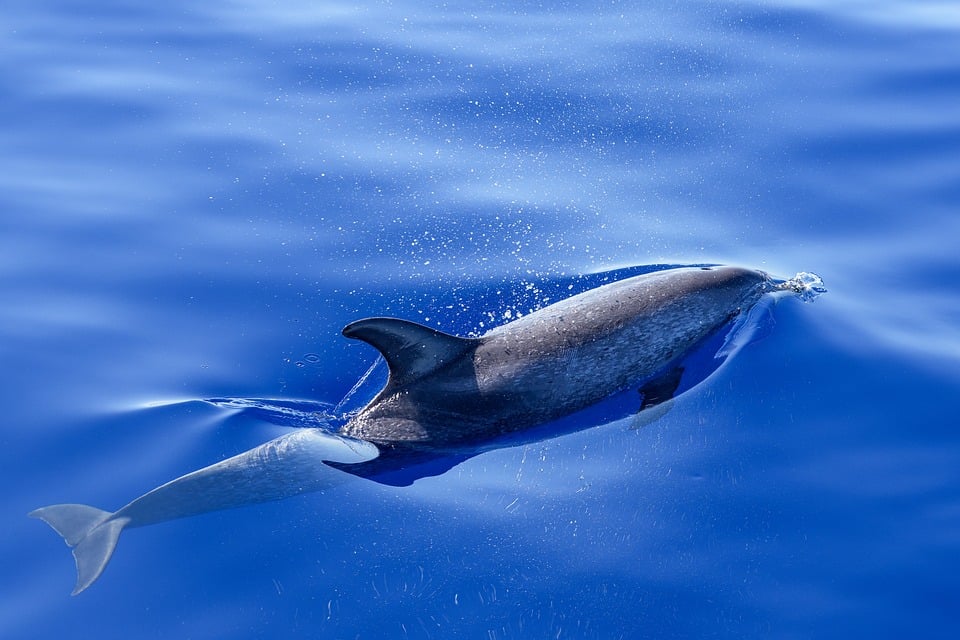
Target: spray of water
[[807, 286]]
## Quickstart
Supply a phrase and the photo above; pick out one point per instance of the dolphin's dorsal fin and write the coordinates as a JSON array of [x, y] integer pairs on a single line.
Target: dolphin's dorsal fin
[[410, 349]]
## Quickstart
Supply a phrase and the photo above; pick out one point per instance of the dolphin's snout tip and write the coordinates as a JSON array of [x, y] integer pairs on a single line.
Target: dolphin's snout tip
[[807, 286]]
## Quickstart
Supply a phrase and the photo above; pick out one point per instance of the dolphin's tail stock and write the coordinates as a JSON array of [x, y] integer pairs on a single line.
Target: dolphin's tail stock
[[90, 532]]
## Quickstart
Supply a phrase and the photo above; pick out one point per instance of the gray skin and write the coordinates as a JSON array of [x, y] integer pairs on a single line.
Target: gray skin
[[445, 392]]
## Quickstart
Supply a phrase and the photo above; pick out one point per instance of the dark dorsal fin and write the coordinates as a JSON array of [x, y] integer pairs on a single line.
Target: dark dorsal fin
[[410, 349]]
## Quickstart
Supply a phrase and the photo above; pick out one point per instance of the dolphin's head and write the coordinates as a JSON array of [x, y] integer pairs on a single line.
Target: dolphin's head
[[807, 286], [723, 287]]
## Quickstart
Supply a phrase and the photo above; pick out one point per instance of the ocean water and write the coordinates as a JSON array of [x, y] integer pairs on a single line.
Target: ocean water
[[197, 197]]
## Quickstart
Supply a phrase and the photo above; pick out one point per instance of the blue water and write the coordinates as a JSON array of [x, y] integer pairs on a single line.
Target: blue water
[[196, 197]]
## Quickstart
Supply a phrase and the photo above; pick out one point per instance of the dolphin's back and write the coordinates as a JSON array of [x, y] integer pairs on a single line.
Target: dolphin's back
[[550, 363]]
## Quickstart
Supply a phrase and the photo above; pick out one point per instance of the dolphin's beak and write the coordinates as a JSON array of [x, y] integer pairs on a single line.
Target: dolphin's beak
[[807, 286]]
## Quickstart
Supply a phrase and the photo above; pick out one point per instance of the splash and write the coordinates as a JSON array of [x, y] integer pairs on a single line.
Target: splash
[[349, 404], [807, 286]]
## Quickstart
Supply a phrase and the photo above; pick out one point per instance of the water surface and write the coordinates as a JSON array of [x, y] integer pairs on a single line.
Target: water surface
[[197, 198]]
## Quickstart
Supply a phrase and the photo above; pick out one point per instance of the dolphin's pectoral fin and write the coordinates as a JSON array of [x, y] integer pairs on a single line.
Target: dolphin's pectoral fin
[[410, 349], [657, 397], [661, 389]]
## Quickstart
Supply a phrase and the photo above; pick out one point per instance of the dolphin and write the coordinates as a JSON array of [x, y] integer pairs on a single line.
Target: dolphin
[[448, 398]]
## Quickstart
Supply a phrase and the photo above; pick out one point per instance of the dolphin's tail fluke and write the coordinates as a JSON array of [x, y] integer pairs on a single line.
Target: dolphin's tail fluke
[[91, 533]]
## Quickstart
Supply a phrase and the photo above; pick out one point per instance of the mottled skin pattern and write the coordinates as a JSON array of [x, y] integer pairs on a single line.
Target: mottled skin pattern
[[555, 361]]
